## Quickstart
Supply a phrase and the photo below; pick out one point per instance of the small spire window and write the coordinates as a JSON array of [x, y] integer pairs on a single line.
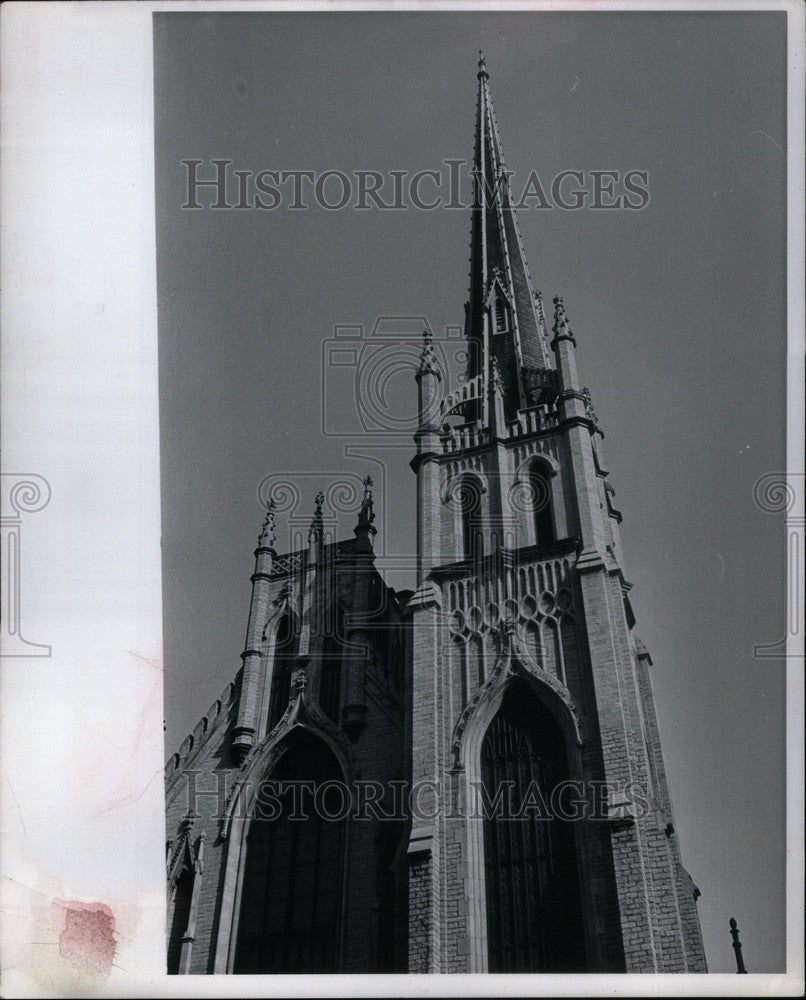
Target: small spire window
[[500, 316]]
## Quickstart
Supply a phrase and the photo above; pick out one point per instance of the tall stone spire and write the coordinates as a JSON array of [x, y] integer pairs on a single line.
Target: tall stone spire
[[503, 312], [246, 725]]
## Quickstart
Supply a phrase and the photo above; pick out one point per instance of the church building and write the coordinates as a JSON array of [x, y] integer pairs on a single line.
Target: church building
[[468, 776]]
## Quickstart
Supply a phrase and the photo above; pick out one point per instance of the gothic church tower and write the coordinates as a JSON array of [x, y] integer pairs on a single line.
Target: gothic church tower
[[268, 871], [528, 680]]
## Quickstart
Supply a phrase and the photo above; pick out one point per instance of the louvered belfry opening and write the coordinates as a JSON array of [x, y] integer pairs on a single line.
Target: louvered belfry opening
[[534, 921], [292, 884]]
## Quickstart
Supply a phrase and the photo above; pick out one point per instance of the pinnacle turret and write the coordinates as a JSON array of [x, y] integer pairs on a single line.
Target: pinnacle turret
[[366, 514], [561, 328], [268, 534], [365, 530], [428, 361], [316, 530]]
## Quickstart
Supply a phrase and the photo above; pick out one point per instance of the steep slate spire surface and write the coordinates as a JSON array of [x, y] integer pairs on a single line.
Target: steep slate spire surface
[[500, 284]]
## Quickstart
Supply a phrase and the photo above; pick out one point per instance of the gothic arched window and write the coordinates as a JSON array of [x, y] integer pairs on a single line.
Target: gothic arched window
[[291, 898], [331, 663], [472, 526], [181, 898], [533, 907], [540, 482], [284, 651]]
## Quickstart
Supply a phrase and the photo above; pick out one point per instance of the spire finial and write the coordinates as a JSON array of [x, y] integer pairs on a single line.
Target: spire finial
[[560, 319], [482, 67], [737, 947], [366, 514], [267, 536], [365, 530], [428, 361]]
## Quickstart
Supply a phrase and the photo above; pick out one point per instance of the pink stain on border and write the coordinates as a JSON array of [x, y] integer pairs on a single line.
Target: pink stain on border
[[87, 940]]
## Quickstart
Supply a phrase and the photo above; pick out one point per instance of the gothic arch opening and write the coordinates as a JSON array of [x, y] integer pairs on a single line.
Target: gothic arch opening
[[285, 644], [534, 921], [292, 880], [470, 493], [181, 896], [540, 473]]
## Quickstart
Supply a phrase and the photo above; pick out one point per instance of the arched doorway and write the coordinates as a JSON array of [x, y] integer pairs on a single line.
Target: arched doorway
[[292, 883], [532, 885]]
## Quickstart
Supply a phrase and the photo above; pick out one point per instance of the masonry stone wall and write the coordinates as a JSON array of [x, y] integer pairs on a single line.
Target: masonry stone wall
[[208, 764], [639, 911]]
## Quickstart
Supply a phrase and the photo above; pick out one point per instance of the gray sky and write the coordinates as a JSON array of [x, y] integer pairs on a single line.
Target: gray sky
[[679, 313]]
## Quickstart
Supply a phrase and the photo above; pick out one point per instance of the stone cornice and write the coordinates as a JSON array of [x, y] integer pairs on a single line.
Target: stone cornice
[[421, 457], [509, 558], [576, 421]]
